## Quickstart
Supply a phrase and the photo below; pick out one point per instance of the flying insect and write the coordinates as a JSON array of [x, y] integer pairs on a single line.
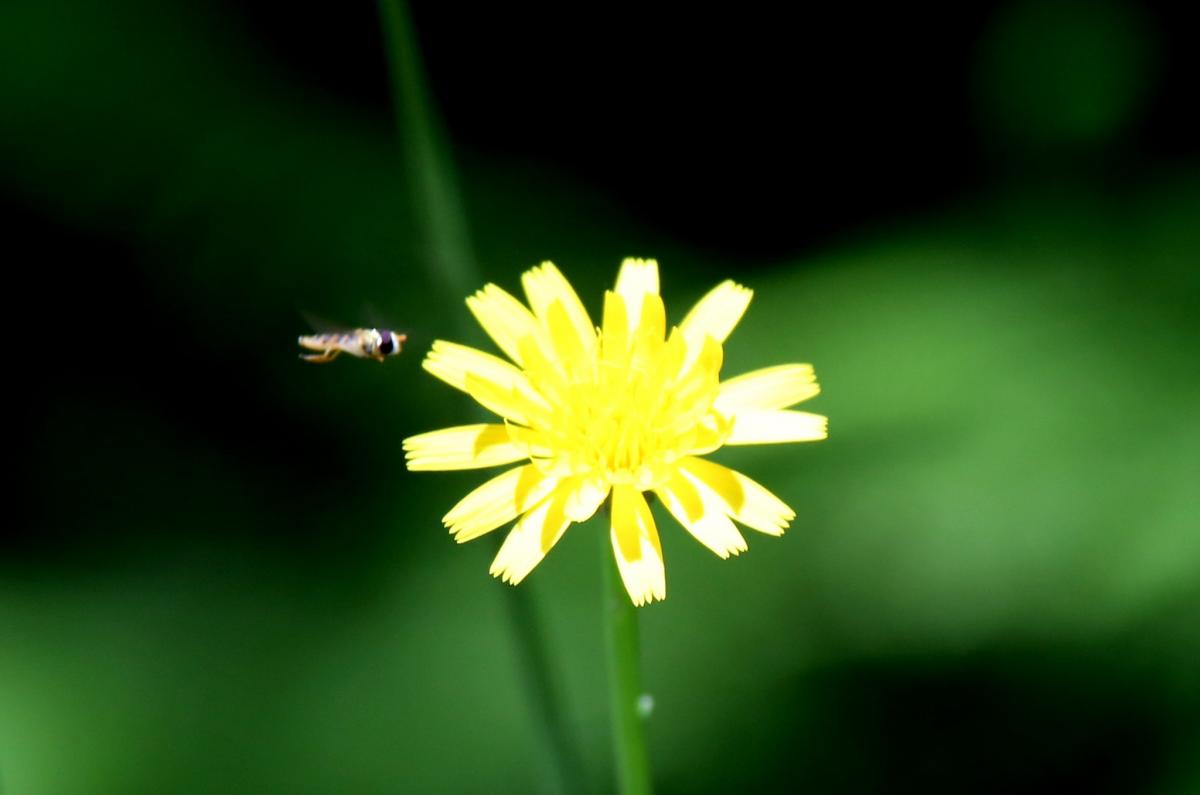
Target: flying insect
[[362, 343]]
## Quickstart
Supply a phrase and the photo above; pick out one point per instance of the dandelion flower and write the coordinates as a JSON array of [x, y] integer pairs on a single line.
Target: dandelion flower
[[611, 413]]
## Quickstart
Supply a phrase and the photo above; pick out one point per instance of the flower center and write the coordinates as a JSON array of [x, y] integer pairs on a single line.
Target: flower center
[[629, 420]]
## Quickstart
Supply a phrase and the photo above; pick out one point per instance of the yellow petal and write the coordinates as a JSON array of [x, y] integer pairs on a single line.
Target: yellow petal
[[585, 498], [651, 330], [461, 447], [635, 543], [636, 279], [718, 312], [770, 427], [572, 351], [535, 444], [674, 357], [710, 433], [545, 287], [742, 498], [615, 331], [497, 502], [544, 371], [451, 362], [700, 371], [770, 388], [505, 319], [512, 402], [703, 516], [529, 541]]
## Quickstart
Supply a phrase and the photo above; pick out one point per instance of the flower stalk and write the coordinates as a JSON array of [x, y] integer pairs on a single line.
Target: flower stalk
[[625, 681], [451, 265]]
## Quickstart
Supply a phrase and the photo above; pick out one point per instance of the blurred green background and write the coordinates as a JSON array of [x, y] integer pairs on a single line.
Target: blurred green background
[[981, 225]]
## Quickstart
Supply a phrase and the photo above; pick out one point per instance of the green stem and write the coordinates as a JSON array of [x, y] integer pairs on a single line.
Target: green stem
[[430, 169], [562, 770], [451, 266], [621, 628]]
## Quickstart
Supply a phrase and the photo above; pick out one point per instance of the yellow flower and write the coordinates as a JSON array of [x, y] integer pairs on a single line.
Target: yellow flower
[[622, 409]]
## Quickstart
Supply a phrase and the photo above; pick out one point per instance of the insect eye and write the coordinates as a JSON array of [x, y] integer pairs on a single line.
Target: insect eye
[[386, 345]]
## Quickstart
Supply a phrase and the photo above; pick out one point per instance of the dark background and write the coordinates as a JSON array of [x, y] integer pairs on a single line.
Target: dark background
[[980, 223]]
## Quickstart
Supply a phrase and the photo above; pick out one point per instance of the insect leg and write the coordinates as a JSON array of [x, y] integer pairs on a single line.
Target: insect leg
[[328, 355]]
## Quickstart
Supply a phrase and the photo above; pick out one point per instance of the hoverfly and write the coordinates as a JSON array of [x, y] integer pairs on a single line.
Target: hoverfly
[[364, 343]]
